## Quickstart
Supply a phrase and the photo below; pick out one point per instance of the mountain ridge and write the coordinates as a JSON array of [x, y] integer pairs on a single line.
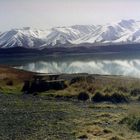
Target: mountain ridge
[[122, 32]]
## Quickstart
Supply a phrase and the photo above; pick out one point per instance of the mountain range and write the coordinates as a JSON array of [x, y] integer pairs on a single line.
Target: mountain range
[[122, 32]]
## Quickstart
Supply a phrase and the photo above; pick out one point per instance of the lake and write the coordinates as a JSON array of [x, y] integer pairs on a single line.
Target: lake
[[127, 64]]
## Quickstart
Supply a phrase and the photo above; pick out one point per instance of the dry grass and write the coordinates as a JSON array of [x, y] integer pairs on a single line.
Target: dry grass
[[76, 119], [14, 74], [10, 75]]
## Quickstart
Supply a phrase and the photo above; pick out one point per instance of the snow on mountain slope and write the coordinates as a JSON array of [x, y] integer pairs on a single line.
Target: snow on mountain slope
[[26, 37], [125, 31]]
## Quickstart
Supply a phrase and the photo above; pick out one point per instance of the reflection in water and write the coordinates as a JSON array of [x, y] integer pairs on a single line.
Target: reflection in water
[[107, 64], [127, 67]]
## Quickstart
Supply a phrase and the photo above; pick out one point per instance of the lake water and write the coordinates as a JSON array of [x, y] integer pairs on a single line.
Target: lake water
[[127, 64]]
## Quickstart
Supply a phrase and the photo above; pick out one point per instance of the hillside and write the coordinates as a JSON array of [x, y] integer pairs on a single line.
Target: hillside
[[118, 33]]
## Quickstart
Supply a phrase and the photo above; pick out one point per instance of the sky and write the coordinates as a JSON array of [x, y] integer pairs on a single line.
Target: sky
[[45, 14]]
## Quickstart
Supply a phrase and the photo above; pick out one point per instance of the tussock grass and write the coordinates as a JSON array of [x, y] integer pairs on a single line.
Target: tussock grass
[[83, 96], [114, 98], [135, 92], [132, 121]]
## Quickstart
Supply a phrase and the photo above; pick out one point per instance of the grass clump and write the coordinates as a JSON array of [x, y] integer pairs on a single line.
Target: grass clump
[[83, 137], [118, 98], [115, 138], [132, 121], [114, 98], [76, 80], [83, 96], [98, 97], [138, 99], [9, 83], [123, 89], [135, 92], [108, 89]]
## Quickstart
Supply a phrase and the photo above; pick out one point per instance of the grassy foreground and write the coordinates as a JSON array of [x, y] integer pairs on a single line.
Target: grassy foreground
[[34, 118], [91, 107]]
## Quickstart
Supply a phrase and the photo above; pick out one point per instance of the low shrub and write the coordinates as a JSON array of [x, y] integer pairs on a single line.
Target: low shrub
[[9, 83], [83, 137], [132, 121], [115, 138], [107, 90], [136, 125], [123, 89], [118, 98], [135, 92], [65, 97], [76, 80], [83, 96], [114, 98], [107, 131], [26, 87], [138, 98], [99, 97], [91, 89]]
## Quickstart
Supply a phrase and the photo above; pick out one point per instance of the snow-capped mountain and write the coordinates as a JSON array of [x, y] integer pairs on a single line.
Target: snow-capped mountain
[[122, 32]]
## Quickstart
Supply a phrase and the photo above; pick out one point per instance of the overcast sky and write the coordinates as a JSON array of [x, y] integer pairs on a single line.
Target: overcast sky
[[48, 13]]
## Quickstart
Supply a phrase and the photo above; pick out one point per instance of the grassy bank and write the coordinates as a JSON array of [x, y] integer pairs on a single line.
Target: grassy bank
[[92, 107], [33, 118]]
